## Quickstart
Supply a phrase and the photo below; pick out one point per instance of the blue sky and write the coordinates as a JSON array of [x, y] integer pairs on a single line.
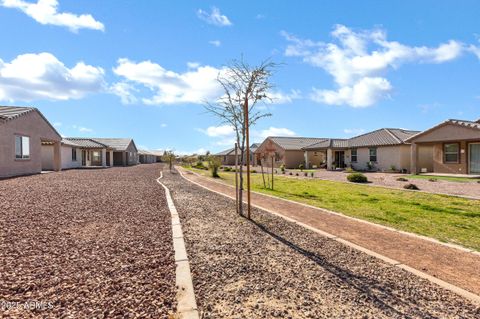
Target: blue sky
[[142, 69]]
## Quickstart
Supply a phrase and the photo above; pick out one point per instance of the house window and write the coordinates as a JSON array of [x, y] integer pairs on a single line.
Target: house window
[[22, 147], [74, 154], [277, 157], [354, 155], [451, 153], [373, 154]]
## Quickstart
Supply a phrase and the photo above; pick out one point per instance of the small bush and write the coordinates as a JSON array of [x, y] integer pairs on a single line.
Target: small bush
[[393, 168], [290, 173], [402, 179], [301, 167], [296, 174], [282, 168], [253, 171], [311, 174], [432, 179], [305, 174], [349, 170], [227, 169], [357, 178], [411, 186]]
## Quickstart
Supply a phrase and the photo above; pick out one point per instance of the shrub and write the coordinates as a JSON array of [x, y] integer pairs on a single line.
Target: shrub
[[305, 174], [402, 179], [296, 174], [290, 173], [432, 179], [282, 168], [227, 169], [311, 174], [411, 186], [393, 168], [253, 171], [349, 170], [357, 178], [301, 167], [370, 165], [214, 163]]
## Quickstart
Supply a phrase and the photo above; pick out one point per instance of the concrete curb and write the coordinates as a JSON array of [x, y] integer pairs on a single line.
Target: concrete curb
[[186, 303], [433, 240], [459, 291]]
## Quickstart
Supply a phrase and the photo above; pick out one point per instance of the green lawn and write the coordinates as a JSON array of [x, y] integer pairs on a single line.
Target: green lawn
[[446, 178], [446, 218]]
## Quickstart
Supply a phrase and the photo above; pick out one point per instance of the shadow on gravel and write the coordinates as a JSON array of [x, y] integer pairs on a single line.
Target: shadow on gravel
[[376, 291]]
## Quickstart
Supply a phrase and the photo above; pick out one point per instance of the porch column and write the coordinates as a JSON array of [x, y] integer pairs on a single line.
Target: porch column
[[57, 157], [111, 158], [307, 164], [413, 158], [329, 159], [124, 158], [104, 157]]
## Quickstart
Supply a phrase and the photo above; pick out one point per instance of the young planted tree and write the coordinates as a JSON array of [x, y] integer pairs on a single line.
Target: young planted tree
[[244, 86], [169, 157]]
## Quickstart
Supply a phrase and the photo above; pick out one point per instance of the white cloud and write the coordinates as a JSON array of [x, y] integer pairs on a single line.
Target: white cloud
[[46, 12], [194, 86], [163, 125], [216, 131], [215, 43], [125, 91], [354, 131], [273, 131], [57, 124], [42, 76], [363, 93], [475, 50], [193, 65], [358, 62], [215, 17], [82, 129], [279, 97]]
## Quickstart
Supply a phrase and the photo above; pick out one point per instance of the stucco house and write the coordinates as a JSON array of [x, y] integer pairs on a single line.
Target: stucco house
[[286, 150], [228, 156], [23, 131], [451, 147], [146, 157], [125, 152], [382, 150], [85, 152]]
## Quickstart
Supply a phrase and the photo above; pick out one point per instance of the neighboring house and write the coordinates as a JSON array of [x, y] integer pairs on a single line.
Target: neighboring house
[[146, 157], [453, 147], [382, 149], [228, 156], [286, 150], [85, 152], [125, 152], [23, 132]]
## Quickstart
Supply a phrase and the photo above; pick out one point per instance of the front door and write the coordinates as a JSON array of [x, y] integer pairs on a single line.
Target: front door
[[340, 159], [474, 158]]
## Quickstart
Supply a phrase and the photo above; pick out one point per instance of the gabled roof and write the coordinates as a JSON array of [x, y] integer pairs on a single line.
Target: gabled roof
[[464, 123], [328, 143], [118, 144], [254, 146], [83, 142], [8, 113], [230, 151], [295, 143], [382, 137]]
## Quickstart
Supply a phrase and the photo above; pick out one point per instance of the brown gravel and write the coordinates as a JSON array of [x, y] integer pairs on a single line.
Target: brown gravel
[[92, 243], [269, 268]]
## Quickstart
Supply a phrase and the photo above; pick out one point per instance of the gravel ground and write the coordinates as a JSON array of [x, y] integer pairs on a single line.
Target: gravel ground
[[85, 244], [269, 268]]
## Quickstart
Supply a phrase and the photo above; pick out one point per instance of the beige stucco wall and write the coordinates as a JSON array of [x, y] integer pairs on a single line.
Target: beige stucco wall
[[67, 162], [293, 159], [47, 157], [398, 156], [448, 132], [32, 125], [425, 157], [451, 168], [316, 157]]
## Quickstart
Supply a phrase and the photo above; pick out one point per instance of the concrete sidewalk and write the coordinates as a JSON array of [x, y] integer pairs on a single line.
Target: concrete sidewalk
[[455, 266]]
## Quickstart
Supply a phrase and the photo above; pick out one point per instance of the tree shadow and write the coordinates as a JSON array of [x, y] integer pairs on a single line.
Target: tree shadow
[[378, 292]]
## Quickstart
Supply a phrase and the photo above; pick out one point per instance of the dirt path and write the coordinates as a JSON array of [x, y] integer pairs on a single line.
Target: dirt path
[[449, 264], [271, 268], [86, 244]]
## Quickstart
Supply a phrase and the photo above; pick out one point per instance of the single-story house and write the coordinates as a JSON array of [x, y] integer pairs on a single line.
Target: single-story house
[[146, 157], [228, 156], [382, 149], [286, 150], [23, 131], [85, 152], [451, 147], [125, 152]]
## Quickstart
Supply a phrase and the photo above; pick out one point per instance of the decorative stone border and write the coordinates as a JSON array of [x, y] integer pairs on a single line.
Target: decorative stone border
[[186, 303], [459, 291]]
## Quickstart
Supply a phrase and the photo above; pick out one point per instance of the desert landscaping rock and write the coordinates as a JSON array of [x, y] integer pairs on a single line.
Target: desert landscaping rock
[[271, 268], [92, 243]]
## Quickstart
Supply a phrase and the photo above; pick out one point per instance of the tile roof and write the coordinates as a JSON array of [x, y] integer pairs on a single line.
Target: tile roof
[[83, 142], [295, 143], [118, 144], [331, 142], [12, 112], [382, 137], [230, 151], [464, 123]]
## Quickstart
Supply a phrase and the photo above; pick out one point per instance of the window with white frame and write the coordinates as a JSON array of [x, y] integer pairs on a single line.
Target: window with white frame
[[353, 153], [373, 154], [22, 147], [451, 153]]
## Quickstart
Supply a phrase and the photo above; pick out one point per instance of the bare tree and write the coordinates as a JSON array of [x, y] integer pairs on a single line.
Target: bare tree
[[169, 156], [244, 87]]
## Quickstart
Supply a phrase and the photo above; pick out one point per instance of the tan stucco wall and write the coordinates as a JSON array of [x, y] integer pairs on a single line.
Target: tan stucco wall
[[47, 157], [67, 162], [293, 159], [425, 157], [316, 157], [448, 132], [399, 156], [32, 125], [451, 168]]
